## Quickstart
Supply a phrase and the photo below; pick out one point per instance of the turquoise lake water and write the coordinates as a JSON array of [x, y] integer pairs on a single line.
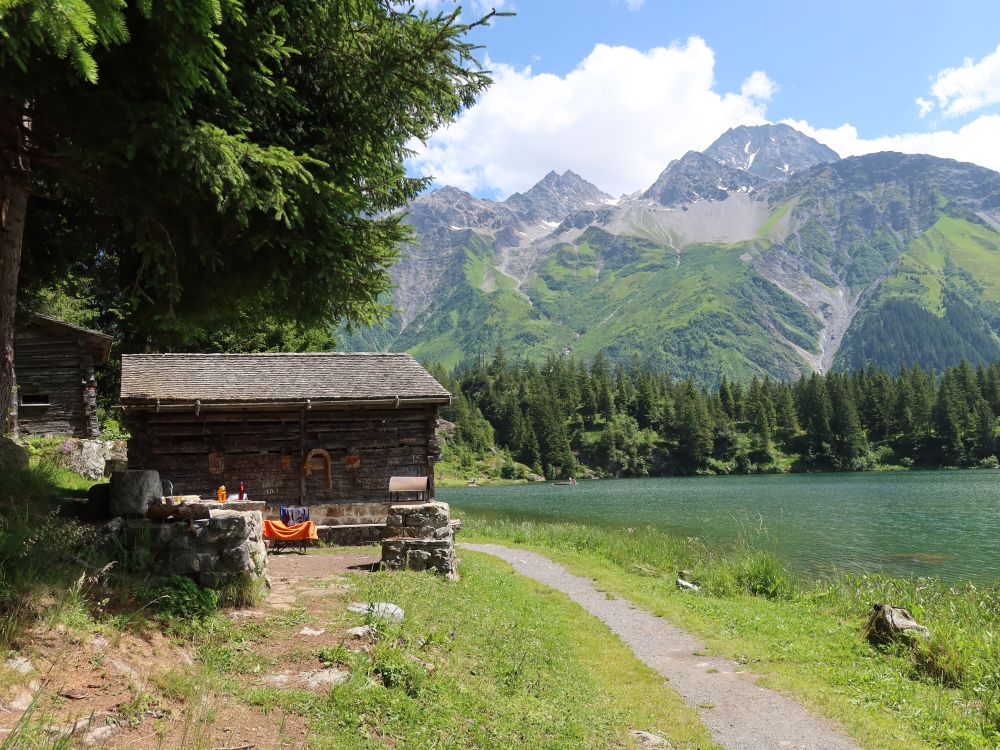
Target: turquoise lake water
[[943, 523]]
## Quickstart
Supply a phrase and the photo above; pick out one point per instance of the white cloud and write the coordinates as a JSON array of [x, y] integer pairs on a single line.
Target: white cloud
[[622, 115], [634, 4], [959, 91], [759, 86], [479, 7], [974, 142], [617, 119]]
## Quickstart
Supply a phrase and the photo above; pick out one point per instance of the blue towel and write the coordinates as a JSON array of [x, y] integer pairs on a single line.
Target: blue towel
[[293, 514]]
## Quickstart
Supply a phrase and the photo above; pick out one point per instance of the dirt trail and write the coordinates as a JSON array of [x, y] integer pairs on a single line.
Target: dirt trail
[[740, 714]]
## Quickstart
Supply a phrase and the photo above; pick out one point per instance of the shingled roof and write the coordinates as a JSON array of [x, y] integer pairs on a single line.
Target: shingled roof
[[276, 378], [98, 343]]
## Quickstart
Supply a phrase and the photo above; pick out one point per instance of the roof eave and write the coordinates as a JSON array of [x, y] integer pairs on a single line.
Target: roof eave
[[175, 404]]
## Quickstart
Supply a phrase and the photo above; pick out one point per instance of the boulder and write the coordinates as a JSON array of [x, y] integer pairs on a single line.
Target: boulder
[[12, 456], [115, 464], [92, 458], [379, 610], [132, 492], [446, 430], [889, 623]]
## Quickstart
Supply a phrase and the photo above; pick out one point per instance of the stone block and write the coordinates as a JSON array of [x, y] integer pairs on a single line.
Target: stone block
[[12, 455], [228, 524], [132, 492], [237, 558], [437, 520], [417, 559]]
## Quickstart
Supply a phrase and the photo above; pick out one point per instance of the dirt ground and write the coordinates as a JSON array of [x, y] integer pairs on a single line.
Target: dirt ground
[[119, 687]]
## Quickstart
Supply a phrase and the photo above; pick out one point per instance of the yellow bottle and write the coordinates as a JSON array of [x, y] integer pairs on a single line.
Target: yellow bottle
[[222, 493]]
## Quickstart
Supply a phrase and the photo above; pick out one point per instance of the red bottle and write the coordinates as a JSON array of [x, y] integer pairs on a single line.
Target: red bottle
[[241, 492]]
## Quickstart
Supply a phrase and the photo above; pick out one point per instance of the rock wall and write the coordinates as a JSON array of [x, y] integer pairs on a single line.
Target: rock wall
[[225, 548], [344, 535], [92, 459], [420, 536], [337, 514]]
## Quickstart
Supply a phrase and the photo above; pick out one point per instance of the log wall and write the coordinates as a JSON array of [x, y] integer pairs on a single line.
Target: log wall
[[59, 366], [266, 450]]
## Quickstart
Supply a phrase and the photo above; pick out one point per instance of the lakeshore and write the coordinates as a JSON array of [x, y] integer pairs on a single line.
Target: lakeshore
[[943, 524]]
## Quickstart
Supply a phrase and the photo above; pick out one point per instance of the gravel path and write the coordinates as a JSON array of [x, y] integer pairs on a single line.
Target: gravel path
[[740, 714]]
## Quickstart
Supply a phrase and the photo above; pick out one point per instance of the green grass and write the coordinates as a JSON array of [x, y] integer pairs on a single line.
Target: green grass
[[40, 575], [512, 665], [804, 637], [767, 228], [709, 315], [458, 466]]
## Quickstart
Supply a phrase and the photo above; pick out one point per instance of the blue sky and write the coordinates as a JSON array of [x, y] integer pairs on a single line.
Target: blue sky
[[614, 89]]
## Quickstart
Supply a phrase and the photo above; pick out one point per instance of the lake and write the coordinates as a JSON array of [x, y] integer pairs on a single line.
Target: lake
[[943, 523]]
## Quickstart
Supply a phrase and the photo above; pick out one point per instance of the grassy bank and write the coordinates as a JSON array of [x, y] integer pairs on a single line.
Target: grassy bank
[[805, 637]]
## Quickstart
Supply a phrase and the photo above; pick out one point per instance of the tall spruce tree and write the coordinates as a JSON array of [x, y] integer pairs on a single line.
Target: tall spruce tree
[[222, 157]]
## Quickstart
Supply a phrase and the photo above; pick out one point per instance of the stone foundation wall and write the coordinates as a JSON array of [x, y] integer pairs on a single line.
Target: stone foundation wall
[[337, 514], [225, 548], [420, 536], [345, 535]]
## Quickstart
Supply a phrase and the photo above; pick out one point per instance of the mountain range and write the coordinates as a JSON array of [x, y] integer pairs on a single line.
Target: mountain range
[[766, 253]]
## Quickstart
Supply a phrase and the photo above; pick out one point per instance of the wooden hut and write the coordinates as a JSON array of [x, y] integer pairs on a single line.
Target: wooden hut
[[324, 430], [54, 364]]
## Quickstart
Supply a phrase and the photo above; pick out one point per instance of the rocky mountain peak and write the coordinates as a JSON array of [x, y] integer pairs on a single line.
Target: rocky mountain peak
[[770, 151], [555, 196], [696, 177]]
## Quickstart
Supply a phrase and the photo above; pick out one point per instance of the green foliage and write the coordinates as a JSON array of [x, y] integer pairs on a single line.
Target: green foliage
[[181, 602], [215, 171], [761, 574], [393, 667], [44, 558], [637, 421]]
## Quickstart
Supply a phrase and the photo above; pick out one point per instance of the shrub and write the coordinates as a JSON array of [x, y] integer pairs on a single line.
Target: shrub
[[396, 670], [760, 574], [181, 600], [508, 470], [940, 658]]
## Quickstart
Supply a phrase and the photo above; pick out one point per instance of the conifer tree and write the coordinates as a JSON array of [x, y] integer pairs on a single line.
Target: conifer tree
[[227, 161]]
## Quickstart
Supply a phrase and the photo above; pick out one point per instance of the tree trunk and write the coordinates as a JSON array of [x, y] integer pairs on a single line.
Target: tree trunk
[[13, 209]]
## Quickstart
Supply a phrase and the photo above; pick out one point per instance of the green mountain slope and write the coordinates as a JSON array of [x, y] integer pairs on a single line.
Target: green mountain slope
[[886, 259], [940, 305]]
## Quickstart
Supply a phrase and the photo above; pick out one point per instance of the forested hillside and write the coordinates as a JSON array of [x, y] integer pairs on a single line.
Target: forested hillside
[[564, 418]]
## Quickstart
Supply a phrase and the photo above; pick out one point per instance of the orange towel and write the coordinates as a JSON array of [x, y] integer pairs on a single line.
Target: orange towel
[[278, 530]]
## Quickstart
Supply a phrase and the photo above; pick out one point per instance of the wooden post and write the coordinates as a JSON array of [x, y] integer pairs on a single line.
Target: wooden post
[[431, 450], [302, 456]]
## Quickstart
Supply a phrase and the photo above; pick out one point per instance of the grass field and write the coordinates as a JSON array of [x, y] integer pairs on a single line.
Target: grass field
[[805, 637]]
